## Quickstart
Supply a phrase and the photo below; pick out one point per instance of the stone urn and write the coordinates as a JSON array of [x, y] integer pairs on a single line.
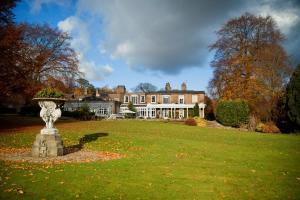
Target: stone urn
[[49, 143]]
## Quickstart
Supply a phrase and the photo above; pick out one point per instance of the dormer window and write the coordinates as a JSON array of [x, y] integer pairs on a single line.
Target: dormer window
[[166, 99], [153, 99], [181, 99], [142, 98], [126, 99]]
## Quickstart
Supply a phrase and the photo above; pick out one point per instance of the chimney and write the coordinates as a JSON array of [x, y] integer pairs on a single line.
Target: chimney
[[85, 91], [120, 89], [97, 92], [168, 87], [183, 86]]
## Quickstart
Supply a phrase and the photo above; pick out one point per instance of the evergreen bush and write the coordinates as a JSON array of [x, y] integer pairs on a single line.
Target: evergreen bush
[[49, 93], [196, 110], [232, 113]]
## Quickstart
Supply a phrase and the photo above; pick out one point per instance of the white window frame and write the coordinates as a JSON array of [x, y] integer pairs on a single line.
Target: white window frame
[[179, 98], [125, 99], [194, 98], [154, 97], [141, 99], [166, 96], [137, 99]]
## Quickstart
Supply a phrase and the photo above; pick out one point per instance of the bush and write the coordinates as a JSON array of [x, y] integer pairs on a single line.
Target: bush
[[196, 110], [49, 93], [30, 109], [268, 127], [259, 127], [82, 113], [232, 113], [200, 121], [190, 122], [7, 110]]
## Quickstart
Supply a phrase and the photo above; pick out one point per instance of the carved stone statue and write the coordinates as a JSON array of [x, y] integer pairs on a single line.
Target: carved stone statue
[[50, 112], [48, 142]]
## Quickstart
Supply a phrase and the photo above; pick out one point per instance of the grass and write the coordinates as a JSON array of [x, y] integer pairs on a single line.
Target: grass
[[163, 161]]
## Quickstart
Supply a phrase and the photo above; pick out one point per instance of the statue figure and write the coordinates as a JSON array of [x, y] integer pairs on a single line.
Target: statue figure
[[50, 112]]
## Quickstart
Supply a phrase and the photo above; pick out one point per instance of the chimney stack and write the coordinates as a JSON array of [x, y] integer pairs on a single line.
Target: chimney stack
[[168, 87], [183, 86]]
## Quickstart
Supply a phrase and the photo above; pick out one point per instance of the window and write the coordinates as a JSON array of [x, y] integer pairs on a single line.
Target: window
[[181, 99], [134, 99], [142, 98], [102, 112], [153, 113], [166, 99], [153, 99], [126, 99], [194, 98]]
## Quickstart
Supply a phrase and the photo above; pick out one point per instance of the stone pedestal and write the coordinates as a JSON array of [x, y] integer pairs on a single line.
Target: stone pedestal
[[47, 145]]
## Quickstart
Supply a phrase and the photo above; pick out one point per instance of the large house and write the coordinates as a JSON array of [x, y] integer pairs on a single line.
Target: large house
[[167, 103]]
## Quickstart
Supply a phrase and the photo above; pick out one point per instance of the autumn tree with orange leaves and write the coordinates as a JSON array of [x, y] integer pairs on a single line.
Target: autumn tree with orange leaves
[[32, 57], [250, 63]]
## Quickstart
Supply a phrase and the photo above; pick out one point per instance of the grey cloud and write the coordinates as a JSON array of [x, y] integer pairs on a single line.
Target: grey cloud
[[170, 35]]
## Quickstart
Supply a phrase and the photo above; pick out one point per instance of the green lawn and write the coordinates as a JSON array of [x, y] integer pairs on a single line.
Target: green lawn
[[163, 161]]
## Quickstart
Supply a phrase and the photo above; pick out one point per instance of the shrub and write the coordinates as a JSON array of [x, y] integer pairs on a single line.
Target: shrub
[[209, 113], [200, 122], [7, 110], [49, 93], [196, 110], [30, 109], [268, 127], [190, 122], [232, 113]]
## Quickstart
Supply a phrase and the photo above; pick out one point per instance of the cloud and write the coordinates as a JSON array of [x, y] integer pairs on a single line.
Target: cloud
[[81, 42], [78, 29], [94, 72], [287, 16], [171, 35], [36, 5], [165, 36]]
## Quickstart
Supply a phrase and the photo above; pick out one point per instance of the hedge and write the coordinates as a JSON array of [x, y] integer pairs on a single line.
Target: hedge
[[232, 113]]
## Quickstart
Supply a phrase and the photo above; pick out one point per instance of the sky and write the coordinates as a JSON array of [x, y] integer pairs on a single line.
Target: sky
[[126, 42]]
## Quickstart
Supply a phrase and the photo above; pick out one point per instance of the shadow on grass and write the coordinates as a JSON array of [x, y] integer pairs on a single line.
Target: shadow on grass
[[82, 141], [15, 122]]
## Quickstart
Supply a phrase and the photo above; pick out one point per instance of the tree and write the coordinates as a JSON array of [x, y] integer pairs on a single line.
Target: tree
[[196, 110], [83, 86], [36, 54], [145, 87], [10, 37], [293, 97], [6, 14], [131, 107], [209, 108], [250, 63]]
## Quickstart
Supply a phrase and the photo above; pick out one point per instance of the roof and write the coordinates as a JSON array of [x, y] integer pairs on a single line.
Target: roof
[[170, 92], [177, 92]]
